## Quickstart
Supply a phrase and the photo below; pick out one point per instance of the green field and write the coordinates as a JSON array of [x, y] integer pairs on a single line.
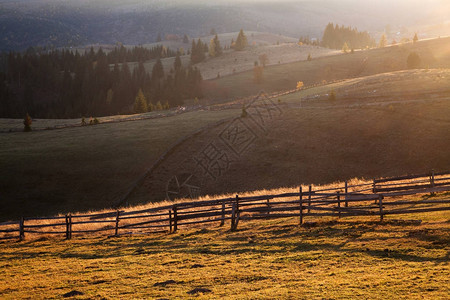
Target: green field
[[357, 258]]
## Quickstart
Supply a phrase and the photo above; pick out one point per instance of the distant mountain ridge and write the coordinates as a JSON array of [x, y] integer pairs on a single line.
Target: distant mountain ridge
[[59, 23]]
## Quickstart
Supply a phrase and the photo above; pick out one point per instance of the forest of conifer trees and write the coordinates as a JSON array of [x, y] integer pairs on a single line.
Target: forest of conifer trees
[[66, 84], [336, 36]]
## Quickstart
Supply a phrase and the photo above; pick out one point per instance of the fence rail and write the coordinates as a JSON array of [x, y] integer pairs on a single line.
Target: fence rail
[[378, 198]]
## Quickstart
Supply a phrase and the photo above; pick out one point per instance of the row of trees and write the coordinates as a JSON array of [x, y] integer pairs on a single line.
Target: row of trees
[[199, 49], [137, 53], [336, 36], [63, 84]]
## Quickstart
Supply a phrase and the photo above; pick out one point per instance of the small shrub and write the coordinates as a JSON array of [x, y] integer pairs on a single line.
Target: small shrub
[[309, 57], [345, 48], [96, 121], [332, 95], [27, 123], [83, 121], [413, 61], [244, 112]]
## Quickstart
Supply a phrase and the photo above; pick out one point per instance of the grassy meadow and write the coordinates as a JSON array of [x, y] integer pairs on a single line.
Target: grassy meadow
[[382, 125], [83, 168], [90, 167], [433, 53], [358, 258]]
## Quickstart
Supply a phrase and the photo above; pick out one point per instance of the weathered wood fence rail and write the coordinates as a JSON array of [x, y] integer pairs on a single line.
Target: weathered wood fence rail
[[377, 198]]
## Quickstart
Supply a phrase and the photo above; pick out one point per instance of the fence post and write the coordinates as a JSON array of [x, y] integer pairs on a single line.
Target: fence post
[[238, 213], [116, 233], [346, 193], [175, 218], [70, 226], [301, 205], [380, 202], [22, 229], [170, 221], [339, 203], [268, 206], [222, 222], [373, 189], [309, 198], [432, 181], [67, 227], [233, 216]]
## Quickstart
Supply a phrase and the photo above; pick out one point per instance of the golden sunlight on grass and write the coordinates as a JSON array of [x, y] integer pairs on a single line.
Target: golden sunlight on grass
[[264, 259]]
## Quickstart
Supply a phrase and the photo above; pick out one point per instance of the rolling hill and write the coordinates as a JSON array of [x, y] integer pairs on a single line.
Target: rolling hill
[[434, 53], [93, 167], [380, 125]]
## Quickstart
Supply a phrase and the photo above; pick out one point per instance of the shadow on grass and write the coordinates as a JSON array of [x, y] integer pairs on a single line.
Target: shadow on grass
[[301, 242]]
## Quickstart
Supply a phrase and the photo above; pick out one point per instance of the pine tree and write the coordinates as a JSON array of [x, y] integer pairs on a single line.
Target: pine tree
[[150, 106], [198, 51], [140, 103], [241, 41], [383, 41], [177, 63], [415, 38], [218, 47], [159, 39], [212, 48], [201, 49], [185, 39], [158, 70]]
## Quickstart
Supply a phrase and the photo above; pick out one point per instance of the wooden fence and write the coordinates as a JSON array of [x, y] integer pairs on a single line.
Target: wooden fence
[[380, 197]]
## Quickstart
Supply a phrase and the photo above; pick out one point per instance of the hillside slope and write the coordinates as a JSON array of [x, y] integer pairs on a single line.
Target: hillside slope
[[277, 48], [91, 167], [434, 53], [382, 125]]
